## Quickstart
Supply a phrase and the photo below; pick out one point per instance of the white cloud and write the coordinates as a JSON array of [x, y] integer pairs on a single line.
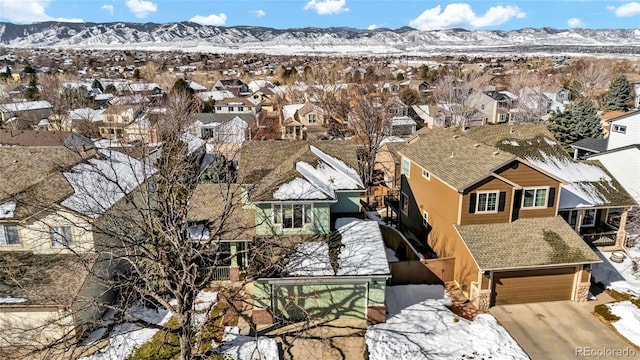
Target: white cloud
[[462, 15], [372, 27], [29, 11], [575, 23], [141, 8], [327, 7], [626, 10], [259, 13], [212, 19], [107, 7]]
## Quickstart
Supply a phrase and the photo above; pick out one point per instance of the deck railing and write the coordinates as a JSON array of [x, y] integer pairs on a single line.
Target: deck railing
[[221, 273]]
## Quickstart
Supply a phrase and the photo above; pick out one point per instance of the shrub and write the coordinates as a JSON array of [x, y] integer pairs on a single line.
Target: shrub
[[163, 345]]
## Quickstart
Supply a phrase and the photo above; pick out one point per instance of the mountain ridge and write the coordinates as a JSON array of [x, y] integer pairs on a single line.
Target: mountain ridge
[[191, 36]]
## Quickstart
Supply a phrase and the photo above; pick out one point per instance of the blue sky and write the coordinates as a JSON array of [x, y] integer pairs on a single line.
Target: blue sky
[[422, 14]]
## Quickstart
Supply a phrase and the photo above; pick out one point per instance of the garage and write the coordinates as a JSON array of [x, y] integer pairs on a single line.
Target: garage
[[300, 302], [526, 286]]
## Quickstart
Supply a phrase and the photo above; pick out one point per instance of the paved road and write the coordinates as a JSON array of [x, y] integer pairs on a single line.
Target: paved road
[[559, 330]]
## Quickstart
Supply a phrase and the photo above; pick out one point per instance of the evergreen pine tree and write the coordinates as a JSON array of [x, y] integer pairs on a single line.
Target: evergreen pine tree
[[31, 93], [578, 121], [619, 94]]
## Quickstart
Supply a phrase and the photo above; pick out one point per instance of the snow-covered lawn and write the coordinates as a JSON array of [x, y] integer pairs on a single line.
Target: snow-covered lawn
[[127, 337], [420, 326], [248, 348], [621, 277], [629, 323], [618, 276]]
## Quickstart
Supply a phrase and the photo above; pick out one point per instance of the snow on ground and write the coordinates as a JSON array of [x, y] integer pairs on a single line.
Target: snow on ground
[[618, 276], [204, 302], [419, 328], [127, 337], [629, 323], [247, 347]]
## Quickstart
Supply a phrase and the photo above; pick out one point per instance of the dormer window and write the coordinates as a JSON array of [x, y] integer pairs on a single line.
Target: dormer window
[[487, 202]]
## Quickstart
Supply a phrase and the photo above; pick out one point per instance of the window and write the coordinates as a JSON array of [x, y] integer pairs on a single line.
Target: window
[[60, 236], [292, 216], [534, 198], [487, 202], [312, 118], [404, 200], [240, 108], [425, 218], [589, 218], [9, 235], [218, 108], [619, 129], [426, 175], [406, 167]]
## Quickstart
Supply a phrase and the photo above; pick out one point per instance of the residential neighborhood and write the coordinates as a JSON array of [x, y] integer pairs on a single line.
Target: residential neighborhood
[[163, 205]]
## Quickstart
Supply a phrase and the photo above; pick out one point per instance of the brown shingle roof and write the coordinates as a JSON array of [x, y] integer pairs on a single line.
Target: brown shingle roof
[[535, 242], [43, 279], [456, 159], [24, 166], [270, 164], [221, 205]]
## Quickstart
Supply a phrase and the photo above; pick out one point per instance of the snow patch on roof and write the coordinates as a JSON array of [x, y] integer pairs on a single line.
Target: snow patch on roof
[[289, 111], [7, 210], [363, 251], [510, 142], [11, 300], [103, 181], [339, 165], [299, 189], [310, 259], [581, 176]]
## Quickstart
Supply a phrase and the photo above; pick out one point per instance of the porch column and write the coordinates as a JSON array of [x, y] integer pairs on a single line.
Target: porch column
[[621, 235], [234, 270], [579, 219]]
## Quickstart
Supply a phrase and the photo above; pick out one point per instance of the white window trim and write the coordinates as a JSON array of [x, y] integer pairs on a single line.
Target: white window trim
[[427, 176], [408, 172], [403, 197], [595, 213], [622, 129], [425, 218], [478, 211], [71, 242], [6, 238], [291, 204], [546, 198]]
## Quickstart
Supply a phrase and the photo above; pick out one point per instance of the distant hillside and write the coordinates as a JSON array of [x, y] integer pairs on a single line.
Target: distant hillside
[[190, 36]]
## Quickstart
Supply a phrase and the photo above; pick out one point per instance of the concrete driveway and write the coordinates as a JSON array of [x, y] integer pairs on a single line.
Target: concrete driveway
[[560, 330]]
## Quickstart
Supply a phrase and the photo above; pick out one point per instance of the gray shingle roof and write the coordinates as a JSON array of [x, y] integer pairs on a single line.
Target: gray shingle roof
[[454, 158], [535, 242], [593, 144]]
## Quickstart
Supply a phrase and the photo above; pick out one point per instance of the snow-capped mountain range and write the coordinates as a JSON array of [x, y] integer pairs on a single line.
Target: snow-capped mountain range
[[188, 36]]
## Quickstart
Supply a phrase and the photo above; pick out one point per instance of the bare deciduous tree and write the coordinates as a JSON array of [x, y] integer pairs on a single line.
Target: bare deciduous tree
[[454, 90]]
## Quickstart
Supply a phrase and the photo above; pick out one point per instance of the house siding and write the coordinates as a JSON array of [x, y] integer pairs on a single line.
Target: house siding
[[491, 184], [618, 164], [528, 177], [348, 202], [321, 221], [631, 135], [35, 235]]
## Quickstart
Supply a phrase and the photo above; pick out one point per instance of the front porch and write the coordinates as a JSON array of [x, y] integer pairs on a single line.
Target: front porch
[[603, 227]]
